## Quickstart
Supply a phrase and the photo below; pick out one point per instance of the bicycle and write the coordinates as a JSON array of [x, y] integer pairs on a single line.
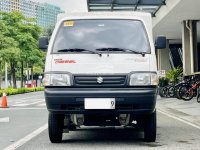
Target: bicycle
[[171, 91], [188, 91]]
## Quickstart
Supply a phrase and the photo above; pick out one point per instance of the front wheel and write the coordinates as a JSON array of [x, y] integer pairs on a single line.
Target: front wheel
[[186, 92], [55, 126], [198, 98], [161, 92], [150, 127], [198, 95], [171, 91], [177, 89]]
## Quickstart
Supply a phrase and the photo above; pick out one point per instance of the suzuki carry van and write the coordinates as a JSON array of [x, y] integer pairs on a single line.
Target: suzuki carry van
[[101, 71]]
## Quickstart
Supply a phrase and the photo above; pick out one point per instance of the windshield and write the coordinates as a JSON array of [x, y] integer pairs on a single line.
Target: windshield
[[98, 34]]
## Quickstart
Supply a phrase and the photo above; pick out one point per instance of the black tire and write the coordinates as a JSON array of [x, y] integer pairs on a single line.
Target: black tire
[[150, 127], [198, 98], [55, 127], [184, 94], [177, 89], [161, 92], [198, 95], [171, 91]]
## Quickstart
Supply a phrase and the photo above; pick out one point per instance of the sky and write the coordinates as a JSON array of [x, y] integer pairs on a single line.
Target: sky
[[68, 5]]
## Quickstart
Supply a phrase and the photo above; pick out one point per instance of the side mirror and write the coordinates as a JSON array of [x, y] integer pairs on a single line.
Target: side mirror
[[160, 42], [43, 43]]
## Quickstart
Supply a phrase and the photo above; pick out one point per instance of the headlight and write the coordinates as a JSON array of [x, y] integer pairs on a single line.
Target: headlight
[[138, 79], [56, 80]]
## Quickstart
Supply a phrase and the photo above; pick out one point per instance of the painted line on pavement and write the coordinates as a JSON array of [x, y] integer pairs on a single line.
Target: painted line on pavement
[[16, 100], [22, 101], [41, 105], [177, 118], [28, 103], [4, 120], [25, 97], [26, 138]]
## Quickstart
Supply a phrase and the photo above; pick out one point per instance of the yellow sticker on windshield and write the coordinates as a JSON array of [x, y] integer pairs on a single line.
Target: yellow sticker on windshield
[[69, 23]]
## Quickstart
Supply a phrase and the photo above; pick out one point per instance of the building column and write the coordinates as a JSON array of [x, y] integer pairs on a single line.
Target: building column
[[189, 42], [163, 58], [195, 46]]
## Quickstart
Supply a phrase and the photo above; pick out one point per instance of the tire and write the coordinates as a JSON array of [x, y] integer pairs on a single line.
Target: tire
[[55, 127], [166, 91], [198, 95], [171, 91], [150, 128], [184, 94], [177, 89], [198, 98], [161, 92]]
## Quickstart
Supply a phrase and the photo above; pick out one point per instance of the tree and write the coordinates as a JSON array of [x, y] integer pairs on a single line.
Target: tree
[[29, 34], [174, 74], [48, 31], [20, 42], [3, 44], [33, 59], [12, 21], [8, 49]]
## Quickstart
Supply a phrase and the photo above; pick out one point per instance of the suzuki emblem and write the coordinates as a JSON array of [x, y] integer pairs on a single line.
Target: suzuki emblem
[[99, 80]]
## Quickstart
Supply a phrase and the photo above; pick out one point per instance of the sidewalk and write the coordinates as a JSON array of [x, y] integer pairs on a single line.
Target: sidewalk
[[186, 110]]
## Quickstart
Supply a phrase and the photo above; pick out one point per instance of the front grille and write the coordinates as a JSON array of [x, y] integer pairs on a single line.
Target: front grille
[[100, 81]]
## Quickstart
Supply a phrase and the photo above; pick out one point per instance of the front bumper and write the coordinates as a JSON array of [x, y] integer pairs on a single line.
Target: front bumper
[[140, 100]]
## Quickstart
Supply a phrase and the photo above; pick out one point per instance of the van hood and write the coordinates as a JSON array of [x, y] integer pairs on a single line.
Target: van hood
[[105, 64]]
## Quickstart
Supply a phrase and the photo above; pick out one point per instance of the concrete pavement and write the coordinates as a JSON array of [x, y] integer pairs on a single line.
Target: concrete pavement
[[178, 127], [25, 114], [186, 110]]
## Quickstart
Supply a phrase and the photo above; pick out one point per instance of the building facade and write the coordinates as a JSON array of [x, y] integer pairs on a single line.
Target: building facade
[[45, 14]]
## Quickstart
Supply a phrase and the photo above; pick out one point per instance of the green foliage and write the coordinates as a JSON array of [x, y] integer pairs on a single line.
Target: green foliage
[[174, 74], [163, 82], [19, 43], [38, 70], [48, 32], [13, 91]]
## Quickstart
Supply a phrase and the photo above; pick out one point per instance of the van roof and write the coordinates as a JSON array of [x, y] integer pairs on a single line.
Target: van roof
[[98, 15]]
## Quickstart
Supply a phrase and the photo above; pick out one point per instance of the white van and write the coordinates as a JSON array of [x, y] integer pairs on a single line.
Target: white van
[[101, 71]]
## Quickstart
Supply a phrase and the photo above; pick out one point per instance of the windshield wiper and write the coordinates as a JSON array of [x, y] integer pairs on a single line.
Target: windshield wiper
[[120, 49], [79, 50]]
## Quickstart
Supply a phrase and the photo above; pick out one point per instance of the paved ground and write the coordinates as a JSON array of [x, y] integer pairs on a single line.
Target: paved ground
[[28, 100], [178, 128], [172, 134], [26, 113], [186, 110]]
